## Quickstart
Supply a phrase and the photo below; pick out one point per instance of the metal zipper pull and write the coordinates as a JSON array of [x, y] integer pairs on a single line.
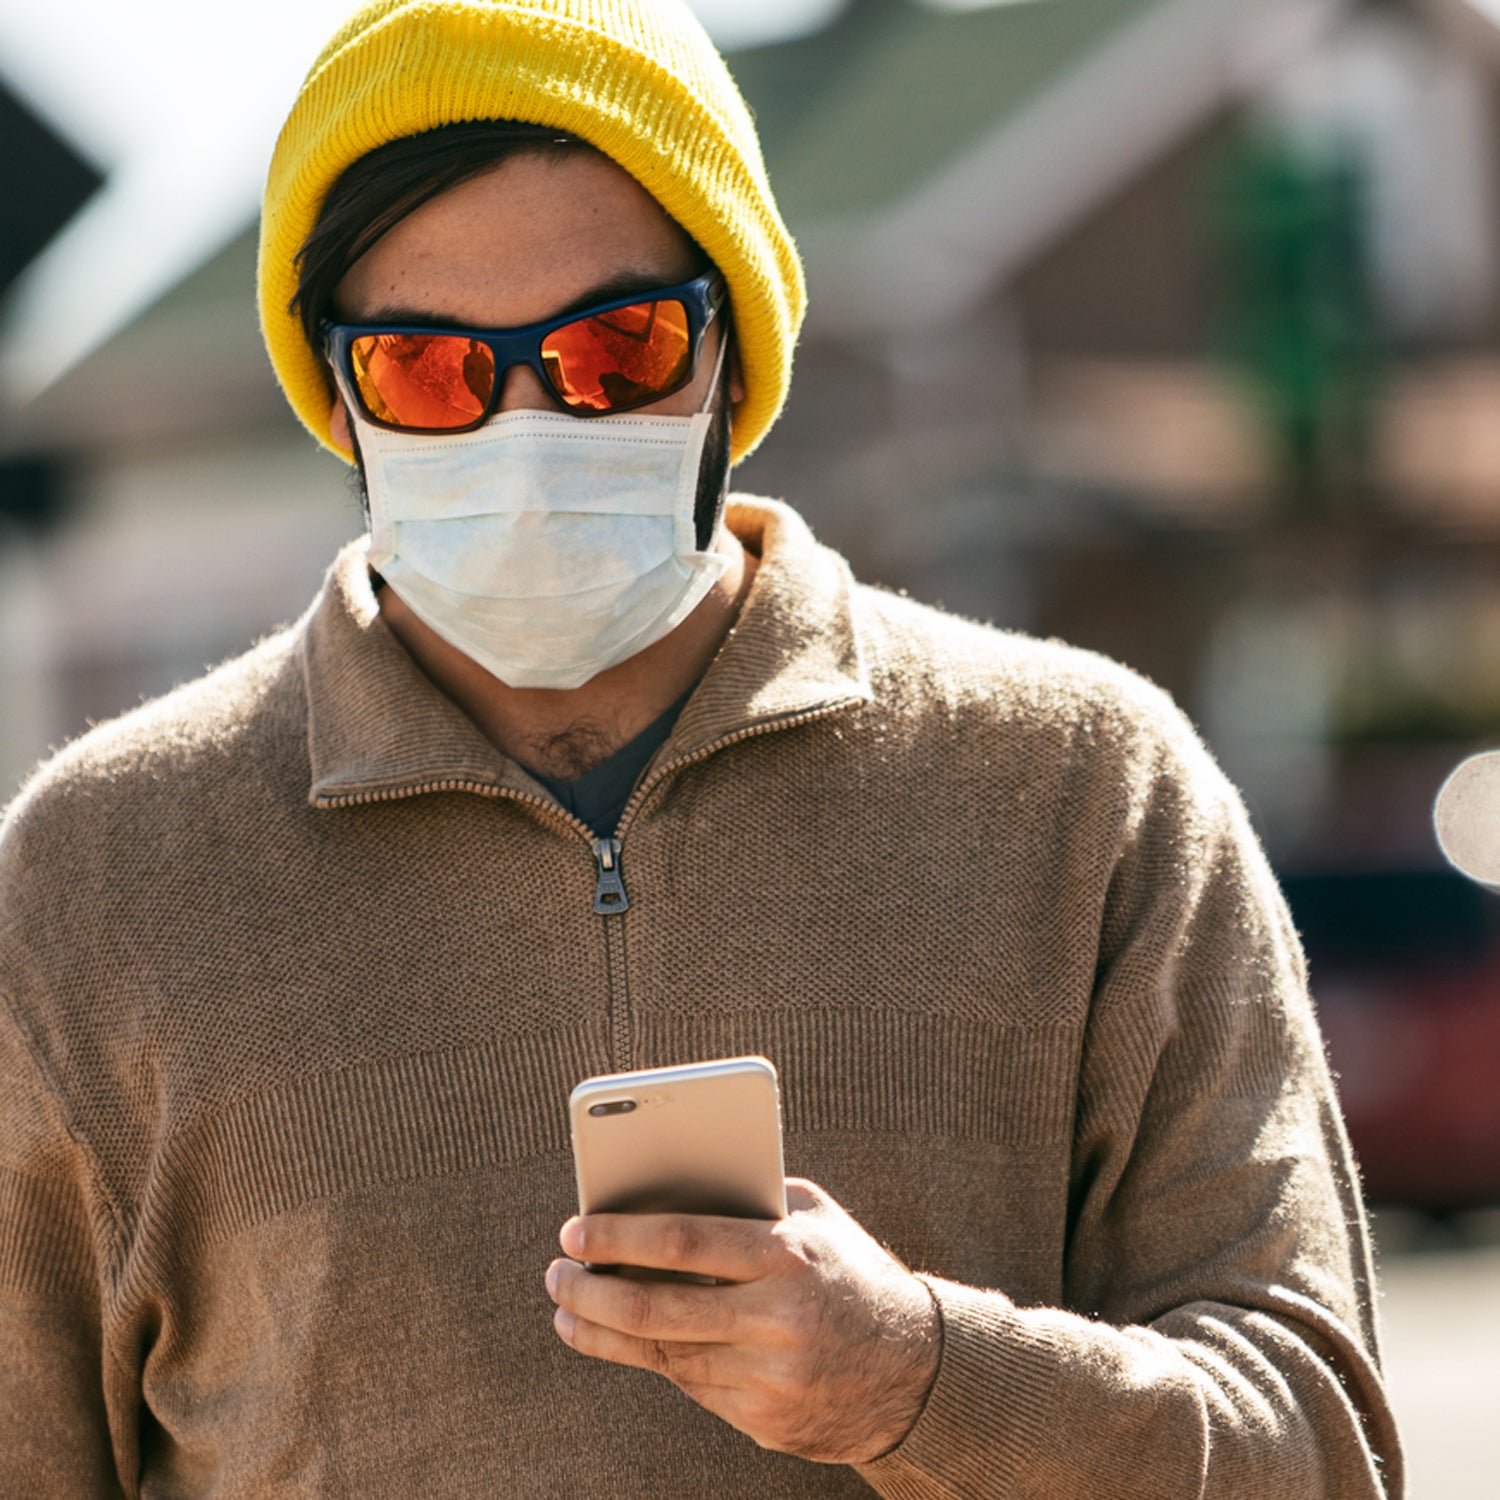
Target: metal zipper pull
[[609, 895]]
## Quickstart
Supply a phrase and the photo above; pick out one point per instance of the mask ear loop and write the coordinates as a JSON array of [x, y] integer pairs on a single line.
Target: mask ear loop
[[713, 385], [713, 528], [705, 418]]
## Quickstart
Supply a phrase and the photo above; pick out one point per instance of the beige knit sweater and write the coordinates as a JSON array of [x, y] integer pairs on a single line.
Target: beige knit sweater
[[296, 972]]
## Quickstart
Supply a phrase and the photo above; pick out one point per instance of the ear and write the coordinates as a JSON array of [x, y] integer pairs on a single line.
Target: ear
[[736, 375], [338, 424]]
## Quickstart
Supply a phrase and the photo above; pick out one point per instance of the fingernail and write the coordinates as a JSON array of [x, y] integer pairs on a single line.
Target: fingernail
[[572, 1238], [554, 1277], [564, 1322]]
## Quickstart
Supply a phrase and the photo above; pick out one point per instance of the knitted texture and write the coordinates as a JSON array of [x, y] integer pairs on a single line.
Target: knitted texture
[[638, 79], [297, 971]]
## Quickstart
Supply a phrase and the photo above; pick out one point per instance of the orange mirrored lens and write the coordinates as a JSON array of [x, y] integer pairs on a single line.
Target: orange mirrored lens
[[423, 379], [621, 358]]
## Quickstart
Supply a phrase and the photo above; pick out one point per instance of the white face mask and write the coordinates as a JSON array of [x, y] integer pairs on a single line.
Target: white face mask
[[545, 547]]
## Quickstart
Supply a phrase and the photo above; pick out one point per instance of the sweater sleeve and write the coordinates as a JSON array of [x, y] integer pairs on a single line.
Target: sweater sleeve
[[54, 1435], [1217, 1339]]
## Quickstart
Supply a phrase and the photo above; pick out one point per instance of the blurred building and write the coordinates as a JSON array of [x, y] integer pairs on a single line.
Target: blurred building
[[1168, 326], [1171, 327], [43, 182]]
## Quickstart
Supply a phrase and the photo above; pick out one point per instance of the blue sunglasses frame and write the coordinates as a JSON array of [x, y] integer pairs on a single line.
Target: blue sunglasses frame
[[702, 299]]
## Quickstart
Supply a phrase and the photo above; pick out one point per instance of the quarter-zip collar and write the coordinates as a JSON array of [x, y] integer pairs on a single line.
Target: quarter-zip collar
[[378, 728]]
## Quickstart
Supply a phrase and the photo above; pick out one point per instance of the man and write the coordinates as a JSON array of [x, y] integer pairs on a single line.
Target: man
[[573, 768]]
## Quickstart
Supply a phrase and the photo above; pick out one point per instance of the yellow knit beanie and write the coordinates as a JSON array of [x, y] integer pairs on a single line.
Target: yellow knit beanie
[[638, 79]]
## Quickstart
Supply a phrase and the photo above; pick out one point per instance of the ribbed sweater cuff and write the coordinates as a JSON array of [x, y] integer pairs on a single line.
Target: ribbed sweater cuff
[[988, 1409]]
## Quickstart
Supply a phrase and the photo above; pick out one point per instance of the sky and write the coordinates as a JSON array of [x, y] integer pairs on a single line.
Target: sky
[[168, 78], [120, 80]]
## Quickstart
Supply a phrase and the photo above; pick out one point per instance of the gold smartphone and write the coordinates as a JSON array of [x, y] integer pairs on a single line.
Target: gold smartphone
[[700, 1139]]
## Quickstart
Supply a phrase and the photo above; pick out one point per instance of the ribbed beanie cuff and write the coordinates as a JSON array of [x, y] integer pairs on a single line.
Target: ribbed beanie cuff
[[637, 79]]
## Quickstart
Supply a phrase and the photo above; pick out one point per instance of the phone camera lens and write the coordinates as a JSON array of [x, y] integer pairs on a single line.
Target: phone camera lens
[[614, 1107]]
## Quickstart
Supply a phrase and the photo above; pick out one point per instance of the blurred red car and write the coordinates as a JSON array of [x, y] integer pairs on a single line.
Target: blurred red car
[[1406, 972]]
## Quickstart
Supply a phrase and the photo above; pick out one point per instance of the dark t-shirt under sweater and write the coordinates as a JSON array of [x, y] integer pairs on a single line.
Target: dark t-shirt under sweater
[[599, 797]]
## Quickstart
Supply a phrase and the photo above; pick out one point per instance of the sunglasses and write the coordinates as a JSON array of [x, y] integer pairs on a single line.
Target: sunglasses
[[607, 359]]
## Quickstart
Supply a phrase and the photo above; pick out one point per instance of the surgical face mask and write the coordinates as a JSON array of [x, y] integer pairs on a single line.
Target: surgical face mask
[[545, 547]]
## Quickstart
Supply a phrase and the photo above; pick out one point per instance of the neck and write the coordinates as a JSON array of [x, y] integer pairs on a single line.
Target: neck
[[567, 733]]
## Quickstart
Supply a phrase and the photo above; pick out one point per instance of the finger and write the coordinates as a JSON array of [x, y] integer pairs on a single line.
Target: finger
[[719, 1377], [802, 1196], [647, 1309], [728, 1249], [698, 1365]]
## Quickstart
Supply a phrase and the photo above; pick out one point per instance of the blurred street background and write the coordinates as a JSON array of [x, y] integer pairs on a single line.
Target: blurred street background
[[1169, 327]]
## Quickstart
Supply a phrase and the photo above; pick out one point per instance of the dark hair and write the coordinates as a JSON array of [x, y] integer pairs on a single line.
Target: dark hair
[[379, 190]]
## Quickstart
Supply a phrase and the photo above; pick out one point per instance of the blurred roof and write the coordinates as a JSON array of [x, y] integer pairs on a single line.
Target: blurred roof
[[855, 116], [958, 147], [43, 182]]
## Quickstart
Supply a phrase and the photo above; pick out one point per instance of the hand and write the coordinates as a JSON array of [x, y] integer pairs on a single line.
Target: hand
[[817, 1342]]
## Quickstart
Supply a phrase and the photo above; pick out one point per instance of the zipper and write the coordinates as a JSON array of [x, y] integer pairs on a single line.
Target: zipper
[[558, 814], [750, 732], [554, 811], [611, 900], [609, 893], [610, 896]]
